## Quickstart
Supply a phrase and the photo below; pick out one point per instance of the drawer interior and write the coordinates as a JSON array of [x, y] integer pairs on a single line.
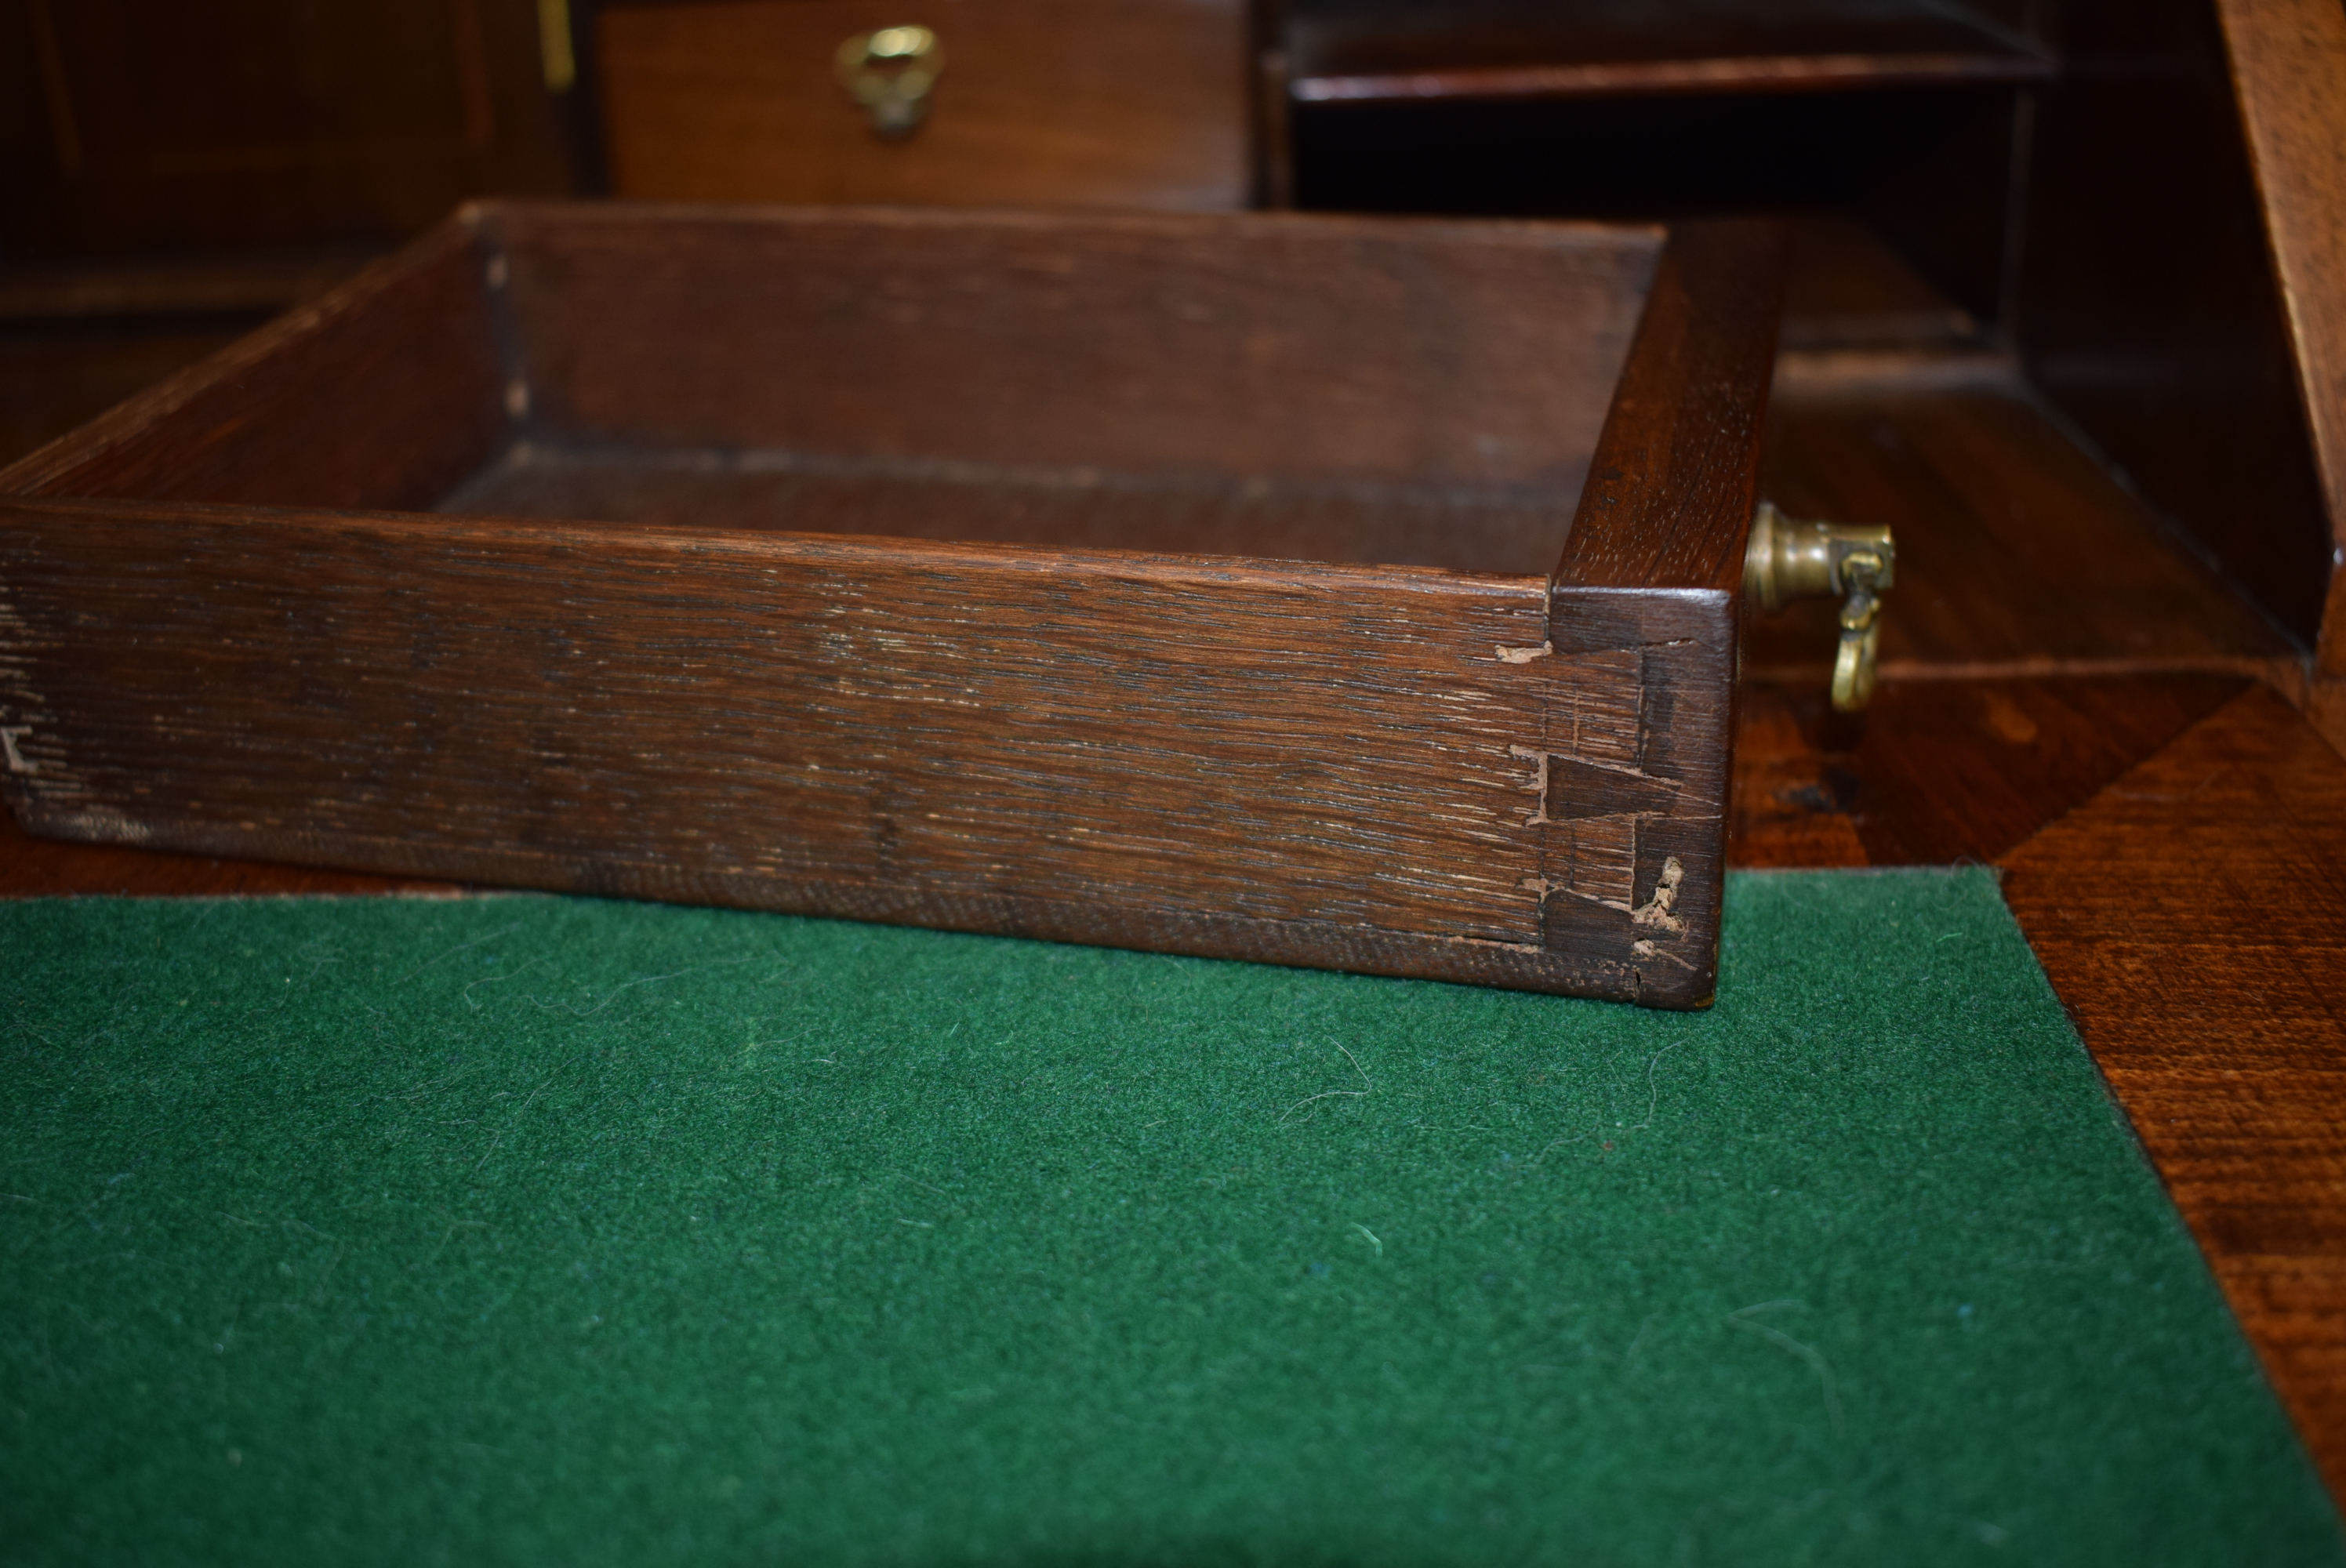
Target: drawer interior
[[1461, 529], [1402, 391], [1407, 392]]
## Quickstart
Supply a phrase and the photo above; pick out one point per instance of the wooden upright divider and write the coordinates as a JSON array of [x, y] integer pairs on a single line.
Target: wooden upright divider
[[699, 615]]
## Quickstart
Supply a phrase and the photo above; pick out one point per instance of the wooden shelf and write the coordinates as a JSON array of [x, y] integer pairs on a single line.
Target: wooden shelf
[[1399, 50], [2021, 553]]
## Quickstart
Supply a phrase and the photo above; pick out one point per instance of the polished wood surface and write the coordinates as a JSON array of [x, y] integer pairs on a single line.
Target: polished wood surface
[[2192, 920], [134, 126], [1939, 772], [1409, 49], [2288, 73], [1054, 103]]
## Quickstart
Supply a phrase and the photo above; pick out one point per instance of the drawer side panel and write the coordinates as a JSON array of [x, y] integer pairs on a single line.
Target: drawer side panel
[[1346, 747]]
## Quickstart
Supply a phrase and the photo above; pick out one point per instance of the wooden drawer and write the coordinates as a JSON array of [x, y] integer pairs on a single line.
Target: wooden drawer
[[1222, 585], [1072, 103]]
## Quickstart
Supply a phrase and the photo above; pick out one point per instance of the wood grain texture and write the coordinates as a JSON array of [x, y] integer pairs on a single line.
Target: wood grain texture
[[1054, 103], [1280, 347], [1938, 771], [133, 127], [993, 740], [1639, 862], [1520, 48], [384, 393], [2189, 919], [1498, 778], [1653, 570], [1675, 477], [2018, 553], [1462, 530]]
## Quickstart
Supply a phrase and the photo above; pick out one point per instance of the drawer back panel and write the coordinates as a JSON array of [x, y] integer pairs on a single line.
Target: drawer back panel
[[1475, 356]]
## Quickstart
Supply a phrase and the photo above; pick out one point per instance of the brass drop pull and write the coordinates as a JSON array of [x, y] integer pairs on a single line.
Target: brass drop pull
[[890, 73], [1792, 560]]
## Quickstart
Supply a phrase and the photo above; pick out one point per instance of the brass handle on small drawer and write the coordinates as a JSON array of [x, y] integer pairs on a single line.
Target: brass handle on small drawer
[[890, 73], [1794, 560]]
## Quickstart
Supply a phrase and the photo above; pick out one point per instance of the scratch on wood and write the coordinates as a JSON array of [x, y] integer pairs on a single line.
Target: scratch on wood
[[17, 761], [1523, 655], [1528, 947], [99, 825]]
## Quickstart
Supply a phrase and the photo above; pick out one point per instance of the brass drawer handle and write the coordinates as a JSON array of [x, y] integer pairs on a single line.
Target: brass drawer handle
[[890, 73], [1794, 560]]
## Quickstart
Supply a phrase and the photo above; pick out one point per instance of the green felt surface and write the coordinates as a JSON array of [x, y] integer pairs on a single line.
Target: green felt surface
[[527, 1230]]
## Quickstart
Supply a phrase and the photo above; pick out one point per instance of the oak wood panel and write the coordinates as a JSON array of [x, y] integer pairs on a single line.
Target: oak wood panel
[[2289, 73], [1938, 771], [1675, 477], [941, 734], [1522, 48], [1055, 103], [384, 393], [1653, 569], [1617, 870], [1462, 530], [2190, 920], [1510, 778], [1320, 348]]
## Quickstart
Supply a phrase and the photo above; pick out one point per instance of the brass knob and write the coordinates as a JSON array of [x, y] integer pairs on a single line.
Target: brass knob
[[1794, 560], [890, 73]]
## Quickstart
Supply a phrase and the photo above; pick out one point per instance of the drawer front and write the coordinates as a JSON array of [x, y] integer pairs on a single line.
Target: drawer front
[[1110, 103]]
